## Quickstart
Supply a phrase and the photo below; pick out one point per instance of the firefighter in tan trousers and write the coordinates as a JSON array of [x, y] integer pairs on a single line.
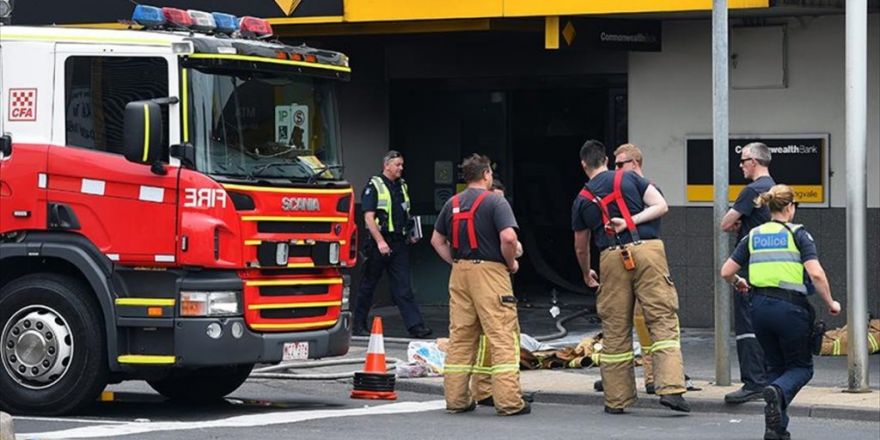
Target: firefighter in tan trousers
[[628, 157], [620, 211], [476, 234]]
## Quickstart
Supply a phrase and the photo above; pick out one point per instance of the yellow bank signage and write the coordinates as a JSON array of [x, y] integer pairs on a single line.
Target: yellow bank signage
[[800, 161]]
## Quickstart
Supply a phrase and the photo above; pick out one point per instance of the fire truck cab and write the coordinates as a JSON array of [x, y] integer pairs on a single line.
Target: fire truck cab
[[172, 208]]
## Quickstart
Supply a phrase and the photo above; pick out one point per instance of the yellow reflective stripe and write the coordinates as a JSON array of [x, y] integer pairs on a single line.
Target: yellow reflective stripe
[[253, 242], [294, 305], [145, 359], [185, 80], [269, 60], [835, 347], [295, 326], [146, 132], [481, 351], [146, 302], [87, 39], [482, 370], [287, 190], [873, 341], [605, 358], [505, 368], [663, 345]]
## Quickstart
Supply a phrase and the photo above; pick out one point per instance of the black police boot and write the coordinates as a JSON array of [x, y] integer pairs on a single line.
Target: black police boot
[[420, 331], [773, 429], [597, 385], [675, 402], [742, 395], [360, 329]]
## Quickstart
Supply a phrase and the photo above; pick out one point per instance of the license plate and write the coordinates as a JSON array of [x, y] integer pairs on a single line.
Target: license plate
[[295, 351]]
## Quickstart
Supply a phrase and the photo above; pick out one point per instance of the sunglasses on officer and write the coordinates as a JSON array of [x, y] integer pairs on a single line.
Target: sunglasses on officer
[[622, 163], [796, 204]]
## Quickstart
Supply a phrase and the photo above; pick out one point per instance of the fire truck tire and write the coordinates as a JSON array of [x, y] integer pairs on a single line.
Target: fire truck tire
[[53, 354], [202, 384]]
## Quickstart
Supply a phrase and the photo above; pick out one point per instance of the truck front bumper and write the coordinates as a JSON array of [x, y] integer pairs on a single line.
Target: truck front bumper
[[194, 348]]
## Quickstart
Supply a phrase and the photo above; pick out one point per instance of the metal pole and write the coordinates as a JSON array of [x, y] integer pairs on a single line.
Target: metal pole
[[721, 147], [856, 192]]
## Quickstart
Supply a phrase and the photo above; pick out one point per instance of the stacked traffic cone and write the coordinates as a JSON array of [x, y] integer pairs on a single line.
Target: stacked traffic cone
[[374, 382]]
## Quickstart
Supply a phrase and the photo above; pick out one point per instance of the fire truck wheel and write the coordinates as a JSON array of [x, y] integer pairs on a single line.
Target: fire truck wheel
[[53, 345], [202, 384]]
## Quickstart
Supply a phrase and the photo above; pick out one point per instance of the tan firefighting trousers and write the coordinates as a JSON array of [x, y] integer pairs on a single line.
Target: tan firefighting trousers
[[475, 307], [651, 284], [645, 341], [481, 383]]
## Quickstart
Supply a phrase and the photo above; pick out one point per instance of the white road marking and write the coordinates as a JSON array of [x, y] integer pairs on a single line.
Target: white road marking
[[66, 420], [274, 418]]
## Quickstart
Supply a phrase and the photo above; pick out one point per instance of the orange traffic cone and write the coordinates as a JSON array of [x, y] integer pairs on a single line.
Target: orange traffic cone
[[374, 382]]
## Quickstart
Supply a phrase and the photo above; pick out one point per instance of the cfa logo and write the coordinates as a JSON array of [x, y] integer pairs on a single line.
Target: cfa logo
[[204, 198], [300, 204]]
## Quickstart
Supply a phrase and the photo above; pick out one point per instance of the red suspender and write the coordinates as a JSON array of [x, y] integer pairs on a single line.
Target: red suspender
[[468, 217], [616, 195]]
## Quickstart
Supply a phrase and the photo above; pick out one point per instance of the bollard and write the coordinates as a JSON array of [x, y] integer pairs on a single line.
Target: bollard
[[6, 430]]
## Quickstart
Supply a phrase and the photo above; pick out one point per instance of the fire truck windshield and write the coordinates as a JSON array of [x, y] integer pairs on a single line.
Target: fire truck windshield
[[255, 124]]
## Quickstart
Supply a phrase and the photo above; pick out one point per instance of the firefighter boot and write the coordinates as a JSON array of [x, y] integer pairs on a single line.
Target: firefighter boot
[[675, 402]]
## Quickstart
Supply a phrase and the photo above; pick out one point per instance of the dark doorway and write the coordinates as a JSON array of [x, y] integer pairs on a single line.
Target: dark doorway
[[533, 130]]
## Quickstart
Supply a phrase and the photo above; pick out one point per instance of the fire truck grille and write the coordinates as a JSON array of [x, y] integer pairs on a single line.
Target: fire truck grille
[[294, 227], [293, 290], [307, 312]]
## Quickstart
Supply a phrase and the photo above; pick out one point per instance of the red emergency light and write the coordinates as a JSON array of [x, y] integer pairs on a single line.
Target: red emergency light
[[177, 17], [255, 26]]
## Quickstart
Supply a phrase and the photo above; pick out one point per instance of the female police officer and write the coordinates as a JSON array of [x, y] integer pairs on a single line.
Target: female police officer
[[778, 253]]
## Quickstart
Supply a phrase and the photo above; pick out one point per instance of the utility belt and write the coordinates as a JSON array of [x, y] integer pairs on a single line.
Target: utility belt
[[474, 261], [627, 245], [791, 296]]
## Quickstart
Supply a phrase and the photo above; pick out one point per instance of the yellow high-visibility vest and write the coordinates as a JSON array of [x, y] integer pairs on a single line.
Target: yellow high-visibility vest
[[774, 258], [383, 200]]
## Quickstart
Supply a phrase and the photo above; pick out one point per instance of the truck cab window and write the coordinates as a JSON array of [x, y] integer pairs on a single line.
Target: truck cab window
[[96, 90]]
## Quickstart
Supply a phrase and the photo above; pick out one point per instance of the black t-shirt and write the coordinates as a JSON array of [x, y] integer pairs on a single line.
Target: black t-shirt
[[586, 214], [745, 205], [492, 216], [370, 201]]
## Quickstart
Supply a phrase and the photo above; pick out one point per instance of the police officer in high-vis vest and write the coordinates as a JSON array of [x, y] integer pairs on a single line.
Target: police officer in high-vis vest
[[778, 253], [620, 209], [476, 234], [385, 202]]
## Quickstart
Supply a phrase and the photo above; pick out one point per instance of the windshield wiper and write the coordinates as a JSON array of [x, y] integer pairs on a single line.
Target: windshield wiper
[[322, 170], [255, 172]]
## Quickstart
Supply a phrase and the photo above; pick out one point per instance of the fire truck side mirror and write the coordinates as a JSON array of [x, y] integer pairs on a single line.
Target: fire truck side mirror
[[142, 141], [5, 146]]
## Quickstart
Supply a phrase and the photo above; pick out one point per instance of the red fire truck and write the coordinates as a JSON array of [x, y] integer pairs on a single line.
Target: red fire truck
[[172, 208]]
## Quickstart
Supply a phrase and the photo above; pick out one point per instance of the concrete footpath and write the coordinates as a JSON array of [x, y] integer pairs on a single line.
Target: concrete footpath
[[823, 398], [576, 387], [6, 430]]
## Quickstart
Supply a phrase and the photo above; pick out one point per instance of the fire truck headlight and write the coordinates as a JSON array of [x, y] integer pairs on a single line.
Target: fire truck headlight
[[209, 304], [282, 253], [334, 253]]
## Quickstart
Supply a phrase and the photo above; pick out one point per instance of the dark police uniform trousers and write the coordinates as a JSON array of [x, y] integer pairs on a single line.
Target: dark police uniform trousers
[[397, 266]]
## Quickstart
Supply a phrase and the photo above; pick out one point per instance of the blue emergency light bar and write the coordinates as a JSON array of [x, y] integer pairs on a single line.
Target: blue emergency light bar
[[226, 23], [148, 16]]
